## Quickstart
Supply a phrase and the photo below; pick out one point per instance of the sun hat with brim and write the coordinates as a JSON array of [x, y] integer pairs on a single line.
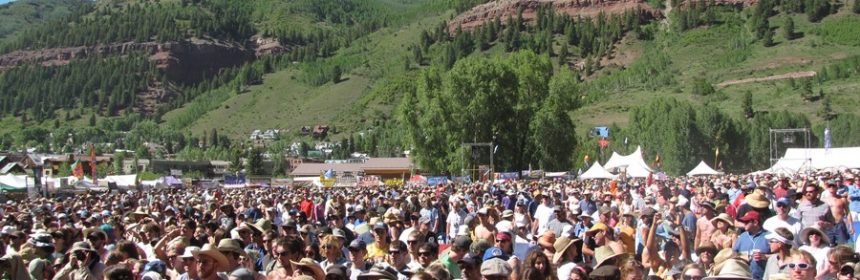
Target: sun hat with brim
[[722, 217], [733, 269], [141, 211], [189, 252], [597, 227], [312, 265], [707, 246], [222, 264], [496, 267], [230, 245], [561, 245], [379, 271], [804, 235], [607, 257], [606, 271], [757, 200], [41, 240], [261, 226], [722, 256]]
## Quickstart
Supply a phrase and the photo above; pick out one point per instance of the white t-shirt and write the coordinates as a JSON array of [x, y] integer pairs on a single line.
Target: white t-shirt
[[792, 224], [543, 214], [820, 255]]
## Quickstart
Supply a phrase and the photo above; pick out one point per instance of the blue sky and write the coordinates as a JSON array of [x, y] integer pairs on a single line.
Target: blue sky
[[5, 1]]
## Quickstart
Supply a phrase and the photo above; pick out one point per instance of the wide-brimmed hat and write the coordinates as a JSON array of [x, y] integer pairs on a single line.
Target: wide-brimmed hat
[[547, 239], [707, 246], [41, 240], [607, 257], [319, 274], [222, 264], [723, 217], [804, 235], [561, 245], [722, 256], [733, 269], [757, 200], [141, 211], [261, 226], [379, 271], [230, 245]]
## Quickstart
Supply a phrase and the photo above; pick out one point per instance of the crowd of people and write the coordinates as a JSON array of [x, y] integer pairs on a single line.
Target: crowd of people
[[718, 227]]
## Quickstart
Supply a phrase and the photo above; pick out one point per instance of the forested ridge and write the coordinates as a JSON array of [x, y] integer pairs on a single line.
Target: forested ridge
[[511, 81]]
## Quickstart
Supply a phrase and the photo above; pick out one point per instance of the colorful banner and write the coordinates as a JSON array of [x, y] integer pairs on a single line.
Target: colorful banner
[[507, 176], [436, 180]]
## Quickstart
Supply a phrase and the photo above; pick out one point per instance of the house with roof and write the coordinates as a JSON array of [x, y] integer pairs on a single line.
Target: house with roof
[[386, 168]]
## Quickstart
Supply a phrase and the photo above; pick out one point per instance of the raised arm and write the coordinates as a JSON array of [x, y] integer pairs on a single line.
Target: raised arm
[[650, 258]]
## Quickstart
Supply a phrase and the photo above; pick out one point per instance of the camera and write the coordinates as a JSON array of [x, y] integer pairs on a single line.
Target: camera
[[80, 255]]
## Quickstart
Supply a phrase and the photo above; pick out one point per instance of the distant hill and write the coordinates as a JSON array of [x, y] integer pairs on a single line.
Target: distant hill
[[198, 76], [22, 14]]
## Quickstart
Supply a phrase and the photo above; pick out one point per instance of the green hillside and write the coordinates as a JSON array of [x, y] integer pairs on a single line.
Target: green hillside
[[382, 74], [23, 14]]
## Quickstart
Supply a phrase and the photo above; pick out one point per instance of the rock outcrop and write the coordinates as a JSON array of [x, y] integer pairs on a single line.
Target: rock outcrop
[[509, 8]]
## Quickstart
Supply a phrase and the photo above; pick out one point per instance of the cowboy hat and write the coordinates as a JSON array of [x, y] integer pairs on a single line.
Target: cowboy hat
[[804, 235], [707, 246], [721, 257], [607, 257], [757, 200], [230, 245], [379, 271], [82, 246], [261, 226], [733, 269], [561, 245], [211, 251], [722, 217], [141, 211], [312, 265]]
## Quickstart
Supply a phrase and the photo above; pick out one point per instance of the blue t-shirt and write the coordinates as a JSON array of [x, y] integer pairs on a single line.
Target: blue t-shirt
[[854, 197], [746, 244], [588, 207]]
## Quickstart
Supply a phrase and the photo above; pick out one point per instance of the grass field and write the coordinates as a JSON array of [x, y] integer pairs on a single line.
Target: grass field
[[283, 101]]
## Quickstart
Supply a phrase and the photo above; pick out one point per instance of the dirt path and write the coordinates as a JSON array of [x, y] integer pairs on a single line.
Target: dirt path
[[799, 74]]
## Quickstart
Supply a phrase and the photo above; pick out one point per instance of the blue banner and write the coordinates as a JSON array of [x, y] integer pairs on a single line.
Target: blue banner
[[436, 180]]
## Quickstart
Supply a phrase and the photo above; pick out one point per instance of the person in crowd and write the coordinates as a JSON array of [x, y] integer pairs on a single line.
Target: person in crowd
[[817, 244], [781, 241], [802, 265], [724, 235]]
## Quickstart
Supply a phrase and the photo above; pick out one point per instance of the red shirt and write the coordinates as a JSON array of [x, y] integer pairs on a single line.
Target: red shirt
[[307, 206]]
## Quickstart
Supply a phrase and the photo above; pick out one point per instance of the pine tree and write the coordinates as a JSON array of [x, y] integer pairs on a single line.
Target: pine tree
[[93, 120], [788, 28], [856, 7], [826, 111], [747, 105], [767, 40], [563, 55]]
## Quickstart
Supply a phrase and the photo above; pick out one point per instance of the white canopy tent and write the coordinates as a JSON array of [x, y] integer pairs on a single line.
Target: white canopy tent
[[798, 160], [633, 164], [637, 171], [703, 169], [596, 171]]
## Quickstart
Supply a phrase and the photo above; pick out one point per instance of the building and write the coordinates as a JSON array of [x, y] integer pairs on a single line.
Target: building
[[387, 168], [53, 164], [129, 168]]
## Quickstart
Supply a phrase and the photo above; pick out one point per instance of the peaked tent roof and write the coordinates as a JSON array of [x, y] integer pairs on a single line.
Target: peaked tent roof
[[637, 171], [634, 162], [596, 171], [703, 169], [800, 160]]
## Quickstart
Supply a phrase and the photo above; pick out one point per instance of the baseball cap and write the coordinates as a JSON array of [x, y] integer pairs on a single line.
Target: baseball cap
[[783, 201], [494, 253], [155, 266], [424, 220], [749, 216], [495, 267], [462, 241], [357, 244]]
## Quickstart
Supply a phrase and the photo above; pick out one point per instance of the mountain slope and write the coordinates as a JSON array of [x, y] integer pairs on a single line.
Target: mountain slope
[[22, 14]]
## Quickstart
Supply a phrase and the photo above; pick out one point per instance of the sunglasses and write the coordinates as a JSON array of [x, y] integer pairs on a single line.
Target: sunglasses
[[412, 241], [425, 254], [693, 277], [801, 266], [394, 252], [280, 254]]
